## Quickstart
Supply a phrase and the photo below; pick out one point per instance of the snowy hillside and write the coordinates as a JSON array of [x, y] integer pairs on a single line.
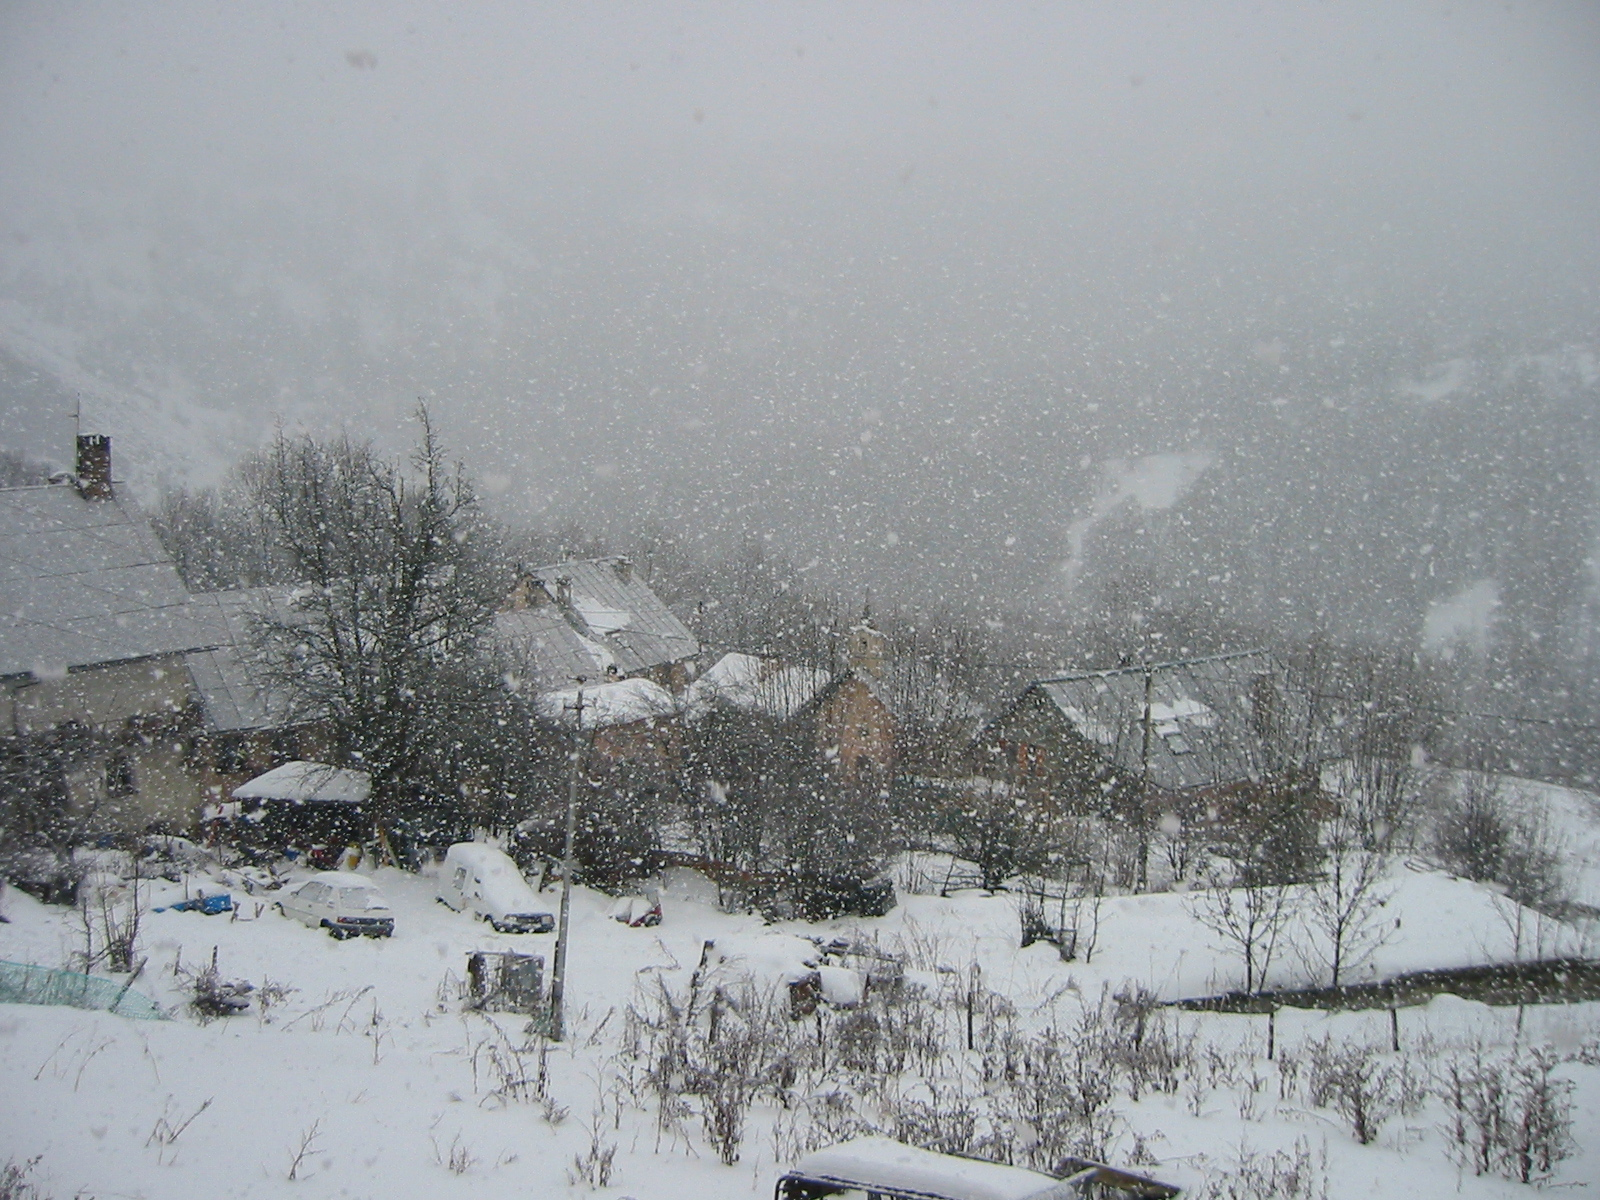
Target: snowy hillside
[[363, 1076]]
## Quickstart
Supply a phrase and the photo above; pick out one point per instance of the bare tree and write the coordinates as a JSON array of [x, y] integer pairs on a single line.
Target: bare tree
[[221, 538], [1344, 905], [1269, 839], [383, 646], [1250, 919]]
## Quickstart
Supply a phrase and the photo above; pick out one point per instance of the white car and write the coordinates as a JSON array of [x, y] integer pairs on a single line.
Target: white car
[[343, 903], [479, 879]]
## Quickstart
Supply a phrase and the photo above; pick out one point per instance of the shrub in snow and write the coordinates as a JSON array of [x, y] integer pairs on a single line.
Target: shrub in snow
[[1356, 1082], [16, 1180], [1479, 834], [1507, 1116], [211, 996], [594, 1165], [1281, 1175]]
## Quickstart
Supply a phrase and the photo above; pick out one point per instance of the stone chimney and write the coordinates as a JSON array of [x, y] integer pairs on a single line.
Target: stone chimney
[[94, 466], [564, 590], [624, 569], [867, 649]]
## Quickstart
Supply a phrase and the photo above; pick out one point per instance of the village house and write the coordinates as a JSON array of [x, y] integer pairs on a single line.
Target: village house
[[95, 626], [592, 620], [852, 715], [1191, 737], [850, 720]]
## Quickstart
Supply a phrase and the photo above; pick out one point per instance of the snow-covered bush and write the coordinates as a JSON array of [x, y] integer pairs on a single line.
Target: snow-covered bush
[[1355, 1081], [1479, 833], [16, 1180], [1507, 1115], [1280, 1175]]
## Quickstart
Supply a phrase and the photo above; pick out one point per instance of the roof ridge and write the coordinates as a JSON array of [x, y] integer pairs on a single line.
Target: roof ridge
[[1101, 673]]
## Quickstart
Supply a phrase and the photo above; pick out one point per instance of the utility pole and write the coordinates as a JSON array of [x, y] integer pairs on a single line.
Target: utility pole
[[1144, 787], [558, 971]]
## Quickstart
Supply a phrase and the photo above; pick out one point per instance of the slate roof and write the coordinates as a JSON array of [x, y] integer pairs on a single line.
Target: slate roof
[[605, 617], [543, 641], [1202, 716], [230, 699], [85, 582]]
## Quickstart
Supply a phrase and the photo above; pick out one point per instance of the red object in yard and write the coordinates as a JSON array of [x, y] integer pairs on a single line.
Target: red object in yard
[[638, 912], [325, 858]]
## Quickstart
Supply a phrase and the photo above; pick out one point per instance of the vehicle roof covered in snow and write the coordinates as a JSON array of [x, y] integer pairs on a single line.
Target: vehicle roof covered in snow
[[881, 1165], [302, 781], [481, 855], [342, 879]]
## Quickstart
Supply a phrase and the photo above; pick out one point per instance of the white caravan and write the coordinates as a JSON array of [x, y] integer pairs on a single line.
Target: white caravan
[[483, 881]]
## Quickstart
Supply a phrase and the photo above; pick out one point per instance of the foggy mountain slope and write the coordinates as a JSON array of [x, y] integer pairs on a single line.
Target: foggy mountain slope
[[909, 300], [916, 452]]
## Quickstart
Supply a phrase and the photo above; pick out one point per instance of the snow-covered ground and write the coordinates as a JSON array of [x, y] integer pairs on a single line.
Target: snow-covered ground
[[371, 1067]]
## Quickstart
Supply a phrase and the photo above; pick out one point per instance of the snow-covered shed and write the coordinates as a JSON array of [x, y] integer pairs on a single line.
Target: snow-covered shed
[[631, 720], [753, 683], [304, 804], [308, 782]]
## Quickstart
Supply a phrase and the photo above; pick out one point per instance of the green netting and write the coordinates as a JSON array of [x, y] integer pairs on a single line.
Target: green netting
[[22, 983]]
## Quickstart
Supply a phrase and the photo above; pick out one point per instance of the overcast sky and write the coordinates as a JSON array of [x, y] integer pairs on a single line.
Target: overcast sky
[[891, 283]]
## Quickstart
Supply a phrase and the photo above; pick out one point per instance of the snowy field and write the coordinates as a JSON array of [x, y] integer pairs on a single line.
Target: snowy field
[[367, 1079]]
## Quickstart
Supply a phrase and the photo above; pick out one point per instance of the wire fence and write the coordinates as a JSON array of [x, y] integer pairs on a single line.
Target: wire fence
[[23, 983]]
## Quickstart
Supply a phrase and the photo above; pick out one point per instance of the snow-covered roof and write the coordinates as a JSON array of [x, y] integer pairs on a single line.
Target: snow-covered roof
[[84, 582], [302, 781], [754, 684], [1205, 727], [608, 704], [591, 617], [877, 1164], [230, 693]]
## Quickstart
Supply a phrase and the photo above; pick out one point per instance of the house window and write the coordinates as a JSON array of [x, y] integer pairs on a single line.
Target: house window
[[119, 775], [1030, 759], [1177, 743]]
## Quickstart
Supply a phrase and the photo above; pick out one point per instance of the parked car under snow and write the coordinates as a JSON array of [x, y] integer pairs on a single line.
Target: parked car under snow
[[889, 1170], [483, 881], [343, 903]]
